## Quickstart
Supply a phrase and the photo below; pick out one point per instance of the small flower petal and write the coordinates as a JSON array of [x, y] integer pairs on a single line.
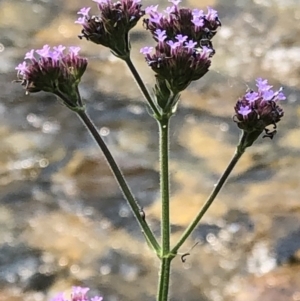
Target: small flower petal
[[160, 34], [44, 52], [212, 14], [268, 95], [181, 38], [244, 110], [30, 55], [251, 96], [190, 44], [146, 50], [84, 11], [22, 68], [262, 85], [151, 9]]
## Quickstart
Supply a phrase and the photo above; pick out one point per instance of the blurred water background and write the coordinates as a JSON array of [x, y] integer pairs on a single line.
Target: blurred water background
[[63, 220]]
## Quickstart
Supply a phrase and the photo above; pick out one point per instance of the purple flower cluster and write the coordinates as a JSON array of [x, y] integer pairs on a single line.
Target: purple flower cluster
[[177, 62], [184, 47], [112, 26], [255, 111], [194, 24], [78, 294], [52, 70]]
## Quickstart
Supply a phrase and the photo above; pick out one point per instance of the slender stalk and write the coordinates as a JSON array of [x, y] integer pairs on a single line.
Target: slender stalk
[[238, 153], [138, 213], [164, 279], [80, 103], [166, 257], [164, 184], [143, 88]]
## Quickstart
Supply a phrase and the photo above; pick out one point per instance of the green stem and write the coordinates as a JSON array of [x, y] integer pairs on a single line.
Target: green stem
[[238, 153], [138, 213], [166, 257], [164, 279], [143, 88], [164, 184]]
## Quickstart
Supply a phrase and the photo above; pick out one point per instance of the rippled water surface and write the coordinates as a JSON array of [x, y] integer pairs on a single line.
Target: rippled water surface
[[63, 219]]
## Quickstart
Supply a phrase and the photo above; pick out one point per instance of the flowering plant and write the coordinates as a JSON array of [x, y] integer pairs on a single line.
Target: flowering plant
[[183, 53]]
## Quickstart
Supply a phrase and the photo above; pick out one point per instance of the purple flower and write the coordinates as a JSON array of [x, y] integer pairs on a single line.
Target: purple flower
[[84, 11], [169, 10], [111, 27], [181, 38], [280, 95], [244, 110], [146, 50], [190, 44], [183, 51], [156, 17], [53, 70], [173, 45], [251, 96], [194, 24], [198, 13], [212, 15], [21, 68], [44, 52], [151, 9], [177, 63], [198, 22], [29, 55], [60, 49], [78, 294], [262, 84], [160, 34], [255, 111]]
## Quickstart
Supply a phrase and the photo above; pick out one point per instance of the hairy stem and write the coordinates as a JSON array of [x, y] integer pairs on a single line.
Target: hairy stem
[[166, 257], [164, 279], [136, 209], [238, 153], [164, 184], [143, 88]]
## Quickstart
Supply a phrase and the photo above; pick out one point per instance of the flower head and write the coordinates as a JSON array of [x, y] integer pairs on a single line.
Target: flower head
[[52, 70], [257, 110], [78, 294], [178, 63], [194, 24], [184, 49], [113, 24]]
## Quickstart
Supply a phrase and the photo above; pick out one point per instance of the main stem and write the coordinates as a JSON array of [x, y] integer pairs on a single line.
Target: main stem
[[239, 152], [164, 184], [164, 279], [138, 213], [166, 257]]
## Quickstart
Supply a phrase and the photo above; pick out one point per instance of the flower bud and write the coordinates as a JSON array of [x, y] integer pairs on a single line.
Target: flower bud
[[112, 26]]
